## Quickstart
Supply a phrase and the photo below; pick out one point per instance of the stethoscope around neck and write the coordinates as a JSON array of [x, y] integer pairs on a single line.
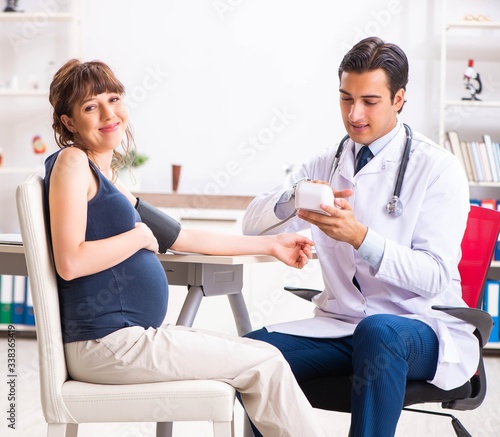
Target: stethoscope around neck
[[394, 206]]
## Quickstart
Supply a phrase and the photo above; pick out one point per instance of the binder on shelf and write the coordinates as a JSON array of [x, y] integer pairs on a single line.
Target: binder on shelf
[[6, 284], [476, 161], [485, 164], [18, 303], [447, 144], [466, 153], [456, 148], [29, 317], [492, 158], [490, 304], [480, 159], [489, 203], [496, 153]]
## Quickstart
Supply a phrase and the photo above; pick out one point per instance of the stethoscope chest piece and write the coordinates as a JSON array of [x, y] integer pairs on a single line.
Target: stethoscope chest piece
[[394, 206]]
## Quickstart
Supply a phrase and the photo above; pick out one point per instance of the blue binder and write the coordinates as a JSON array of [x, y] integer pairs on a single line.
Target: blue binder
[[29, 317], [490, 304], [18, 303]]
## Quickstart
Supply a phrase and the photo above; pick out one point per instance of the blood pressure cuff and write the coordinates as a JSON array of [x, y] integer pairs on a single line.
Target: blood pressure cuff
[[164, 228]]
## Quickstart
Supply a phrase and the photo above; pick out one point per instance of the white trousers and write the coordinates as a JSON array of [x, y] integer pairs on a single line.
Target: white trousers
[[269, 391]]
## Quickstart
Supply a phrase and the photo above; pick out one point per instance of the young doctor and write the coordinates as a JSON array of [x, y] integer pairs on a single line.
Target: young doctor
[[113, 291], [384, 265]]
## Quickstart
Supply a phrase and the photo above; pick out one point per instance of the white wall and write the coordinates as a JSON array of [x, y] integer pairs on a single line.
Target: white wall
[[235, 89], [206, 78]]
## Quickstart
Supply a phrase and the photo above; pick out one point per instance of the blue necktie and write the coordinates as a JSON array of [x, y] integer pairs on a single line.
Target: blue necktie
[[364, 155]]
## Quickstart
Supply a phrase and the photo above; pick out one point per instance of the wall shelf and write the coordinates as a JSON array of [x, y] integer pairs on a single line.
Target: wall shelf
[[472, 103], [473, 25], [18, 327], [15, 170], [23, 93], [12, 17]]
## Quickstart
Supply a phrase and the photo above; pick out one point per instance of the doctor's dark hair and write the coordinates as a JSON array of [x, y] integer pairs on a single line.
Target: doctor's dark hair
[[373, 53], [75, 82]]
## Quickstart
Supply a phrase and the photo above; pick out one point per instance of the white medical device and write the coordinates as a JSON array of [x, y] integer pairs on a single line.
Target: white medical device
[[310, 195]]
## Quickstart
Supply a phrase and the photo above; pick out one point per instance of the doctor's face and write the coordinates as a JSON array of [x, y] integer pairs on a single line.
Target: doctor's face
[[368, 112]]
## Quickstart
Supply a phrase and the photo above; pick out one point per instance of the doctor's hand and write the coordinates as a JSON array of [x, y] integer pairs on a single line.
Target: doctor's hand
[[342, 194], [339, 194], [340, 224]]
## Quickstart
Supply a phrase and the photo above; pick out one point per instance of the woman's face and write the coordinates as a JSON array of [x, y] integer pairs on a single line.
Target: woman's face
[[99, 122]]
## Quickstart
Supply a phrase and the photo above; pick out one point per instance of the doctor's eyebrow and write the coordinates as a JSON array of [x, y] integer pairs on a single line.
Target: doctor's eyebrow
[[367, 96]]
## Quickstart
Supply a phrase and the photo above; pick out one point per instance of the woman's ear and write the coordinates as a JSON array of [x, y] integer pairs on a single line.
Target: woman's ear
[[68, 123]]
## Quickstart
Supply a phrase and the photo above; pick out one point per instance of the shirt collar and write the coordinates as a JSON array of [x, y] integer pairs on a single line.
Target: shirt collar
[[381, 142]]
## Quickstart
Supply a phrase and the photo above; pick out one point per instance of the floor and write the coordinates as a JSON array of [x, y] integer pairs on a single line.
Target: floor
[[482, 422]]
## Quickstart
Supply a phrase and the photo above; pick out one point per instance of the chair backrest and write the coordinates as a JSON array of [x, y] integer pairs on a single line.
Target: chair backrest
[[478, 245], [43, 283]]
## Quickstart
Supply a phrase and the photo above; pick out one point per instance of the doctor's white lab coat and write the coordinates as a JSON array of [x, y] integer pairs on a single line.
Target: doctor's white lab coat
[[422, 248]]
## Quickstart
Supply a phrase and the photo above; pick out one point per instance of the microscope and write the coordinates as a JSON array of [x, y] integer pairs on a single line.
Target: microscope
[[472, 82], [10, 6]]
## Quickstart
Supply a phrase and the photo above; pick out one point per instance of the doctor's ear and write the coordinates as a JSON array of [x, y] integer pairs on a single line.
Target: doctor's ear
[[399, 100], [68, 123]]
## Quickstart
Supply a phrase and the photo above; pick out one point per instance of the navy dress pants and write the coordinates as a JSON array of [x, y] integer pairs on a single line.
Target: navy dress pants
[[383, 353]]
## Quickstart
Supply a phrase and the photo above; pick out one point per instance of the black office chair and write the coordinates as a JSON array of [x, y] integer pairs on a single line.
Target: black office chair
[[477, 248]]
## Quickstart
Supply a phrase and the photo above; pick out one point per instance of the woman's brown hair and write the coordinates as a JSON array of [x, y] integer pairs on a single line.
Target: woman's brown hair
[[74, 82]]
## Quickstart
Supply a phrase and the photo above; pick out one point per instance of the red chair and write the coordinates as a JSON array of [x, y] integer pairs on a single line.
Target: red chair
[[334, 392]]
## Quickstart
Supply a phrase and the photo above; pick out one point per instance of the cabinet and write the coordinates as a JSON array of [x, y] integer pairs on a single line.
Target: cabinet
[[471, 35], [33, 43]]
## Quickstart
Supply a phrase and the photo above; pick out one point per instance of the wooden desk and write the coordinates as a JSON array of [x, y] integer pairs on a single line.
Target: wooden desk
[[204, 275]]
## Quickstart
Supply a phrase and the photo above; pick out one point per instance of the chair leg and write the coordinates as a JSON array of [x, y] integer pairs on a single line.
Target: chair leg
[[459, 429], [62, 430], [72, 430], [164, 429], [223, 429]]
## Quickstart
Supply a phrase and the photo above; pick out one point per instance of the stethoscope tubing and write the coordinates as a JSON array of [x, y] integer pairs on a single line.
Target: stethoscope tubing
[[401, 172]]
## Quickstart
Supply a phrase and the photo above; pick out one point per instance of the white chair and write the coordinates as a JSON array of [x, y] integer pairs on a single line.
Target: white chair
[[67, 403]]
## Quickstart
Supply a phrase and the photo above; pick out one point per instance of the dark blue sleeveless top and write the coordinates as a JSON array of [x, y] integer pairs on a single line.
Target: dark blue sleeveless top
[[132, 293]]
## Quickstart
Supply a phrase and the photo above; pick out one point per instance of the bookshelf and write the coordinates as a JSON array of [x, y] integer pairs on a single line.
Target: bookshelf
[[471, 32], [470, 113], [32, 43], [465, 40], [19, 329], [16, 307]]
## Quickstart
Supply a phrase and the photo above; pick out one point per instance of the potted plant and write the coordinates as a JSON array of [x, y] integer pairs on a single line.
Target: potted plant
[[138, 159], [130, 174]]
